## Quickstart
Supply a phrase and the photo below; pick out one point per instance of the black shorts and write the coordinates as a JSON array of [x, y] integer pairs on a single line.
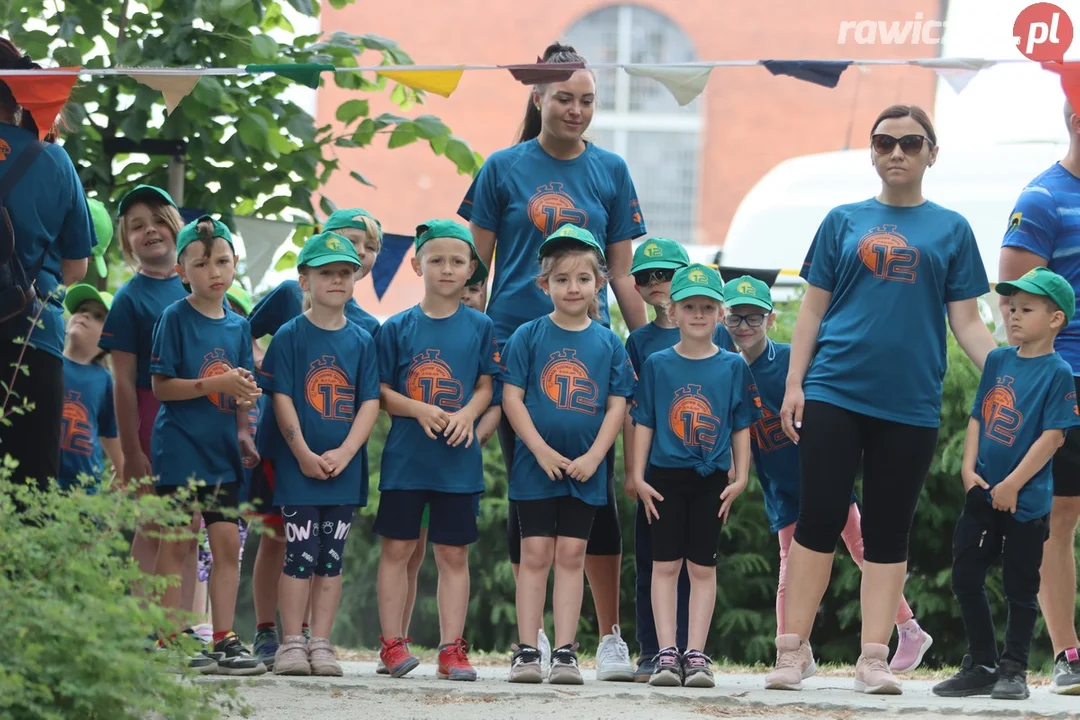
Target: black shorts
[[1066, 467], [452, 516], [214, 497], [689, 524], [564, 516]]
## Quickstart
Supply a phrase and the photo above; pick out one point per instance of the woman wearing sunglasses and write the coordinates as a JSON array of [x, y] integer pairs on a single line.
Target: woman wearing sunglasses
[[864, 385]]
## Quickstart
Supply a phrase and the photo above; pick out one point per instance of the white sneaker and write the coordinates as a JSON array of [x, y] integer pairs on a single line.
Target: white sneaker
[[544, 646], [613, 658]]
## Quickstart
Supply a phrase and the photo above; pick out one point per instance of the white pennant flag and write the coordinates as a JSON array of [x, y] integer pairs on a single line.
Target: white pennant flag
[[262, 238], [173, 87], [684, 83], [957, 78]]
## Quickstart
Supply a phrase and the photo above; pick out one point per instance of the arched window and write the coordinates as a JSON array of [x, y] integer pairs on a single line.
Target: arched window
[[639, 119]]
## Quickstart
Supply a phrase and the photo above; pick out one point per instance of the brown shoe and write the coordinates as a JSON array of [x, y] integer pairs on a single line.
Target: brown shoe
[[292, 657], [322, 657]]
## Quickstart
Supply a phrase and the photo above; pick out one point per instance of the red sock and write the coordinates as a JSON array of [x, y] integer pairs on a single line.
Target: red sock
[[266, 626], [219, 636], [305, 626]]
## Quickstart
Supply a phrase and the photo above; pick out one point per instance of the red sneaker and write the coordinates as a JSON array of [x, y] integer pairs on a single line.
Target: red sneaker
[[396, 657], [454, 663]]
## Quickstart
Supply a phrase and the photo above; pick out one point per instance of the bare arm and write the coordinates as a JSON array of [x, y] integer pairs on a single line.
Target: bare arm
[[1012, 263], [126, 402], [73, 270], [970, 330], [361, 426], [481, 398], [485, 247], [111, 446], [614, 414], [641, 443], [394, 403], [1036, 457], [167, 389], [620, 258], [740, 455], [628, 455], [971, 453], [803, 344], [514, 407], [489, 423]]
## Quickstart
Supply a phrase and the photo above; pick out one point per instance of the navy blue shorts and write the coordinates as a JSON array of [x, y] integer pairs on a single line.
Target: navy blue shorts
[[452, 516]]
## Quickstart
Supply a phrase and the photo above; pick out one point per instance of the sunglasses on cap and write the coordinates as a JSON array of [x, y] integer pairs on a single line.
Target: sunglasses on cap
[[910, 144], [660, 275]]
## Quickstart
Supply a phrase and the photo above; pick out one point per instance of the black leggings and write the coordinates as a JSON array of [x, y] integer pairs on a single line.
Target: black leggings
[[895, 459], [34, 437]]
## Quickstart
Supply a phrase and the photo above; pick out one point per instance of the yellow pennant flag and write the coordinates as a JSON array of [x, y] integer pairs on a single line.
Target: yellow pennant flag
[[440, 82], [172, 86]]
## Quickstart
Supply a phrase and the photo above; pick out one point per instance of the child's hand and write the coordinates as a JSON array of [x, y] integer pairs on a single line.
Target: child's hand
[[649, 497], [459, 427], [236, 382], [973, 479], [630, 486], [1004, 495], [552, 463], [337, 460], [728, 497], [583, 468], [433, 419], [248, 454], [314, 466], [136, 467]]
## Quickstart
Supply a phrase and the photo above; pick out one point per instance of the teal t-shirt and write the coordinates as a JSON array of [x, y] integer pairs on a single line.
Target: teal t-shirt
[[651, 338], [437, 361], [1017, 401], [891, 271], [567, 376], [129, 326], [197, 438], [88, 415], [523, 195]]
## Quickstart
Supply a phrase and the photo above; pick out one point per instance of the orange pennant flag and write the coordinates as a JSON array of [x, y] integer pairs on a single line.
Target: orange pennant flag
[[42, 95], [440, 82]]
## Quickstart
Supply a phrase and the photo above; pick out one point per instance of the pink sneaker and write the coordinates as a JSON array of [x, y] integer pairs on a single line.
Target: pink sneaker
[[913, 644], [872, 674], [794, 663]]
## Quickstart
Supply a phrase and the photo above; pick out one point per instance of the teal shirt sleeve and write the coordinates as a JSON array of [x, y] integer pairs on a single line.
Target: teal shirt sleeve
[[745, 404], [107, 411], [118, 333], [1038, 225], [278, 307], [166, 358], [367, 373], [1059, 410], [482, 204], [987, 379], [967, 276], [625, 221], [819, 267], [247, 355], [277, 369], [516, 360], [623, 378], [386, 348], [644, 408]]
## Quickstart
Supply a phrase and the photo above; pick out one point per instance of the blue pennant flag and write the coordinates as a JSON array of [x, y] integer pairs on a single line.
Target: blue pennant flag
[[190, 215], [819, 72], [394, 248]]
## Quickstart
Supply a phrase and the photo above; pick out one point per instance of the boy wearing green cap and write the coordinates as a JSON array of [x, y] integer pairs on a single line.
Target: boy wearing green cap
[[88, 424], [1025, 404], [693, 409], [321, 373], [201, 370], [436, 363]]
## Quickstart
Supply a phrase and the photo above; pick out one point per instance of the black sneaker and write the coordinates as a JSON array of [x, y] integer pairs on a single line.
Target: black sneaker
[[1066, 673], [971, 680], [696, 670], [646, 664], [669, 669], [564, 666], [525, 665], [233, 658], [1011, 683]]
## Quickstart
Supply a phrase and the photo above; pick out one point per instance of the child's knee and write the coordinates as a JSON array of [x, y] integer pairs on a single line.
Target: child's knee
[[537, 553], [452, 557], [701, 573], [667, 570], [397, 551], [570, 553]]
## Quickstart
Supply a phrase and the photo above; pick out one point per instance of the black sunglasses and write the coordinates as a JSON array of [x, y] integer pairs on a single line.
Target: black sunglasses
[[645, 277], [910, 144], [755, 321]]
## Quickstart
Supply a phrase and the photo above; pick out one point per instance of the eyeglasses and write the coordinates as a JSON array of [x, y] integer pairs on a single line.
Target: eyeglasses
[[733, 321], [662, 275], [910, 144]]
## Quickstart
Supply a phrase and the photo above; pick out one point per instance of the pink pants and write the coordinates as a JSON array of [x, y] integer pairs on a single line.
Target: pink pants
[[852, 536]]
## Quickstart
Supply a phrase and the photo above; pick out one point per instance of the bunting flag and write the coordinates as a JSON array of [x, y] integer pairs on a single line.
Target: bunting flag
[[684, 83], [957, 72], [41, 93], [820, 72], [262, 238], [1070, 79], [541, 73], [173, 87], [303, 73], [394, 249], [440, 82]]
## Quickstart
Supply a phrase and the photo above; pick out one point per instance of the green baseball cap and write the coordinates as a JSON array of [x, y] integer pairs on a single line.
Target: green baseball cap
[[144, 193], [1046, 282], [569, 234], [449, 229], [746, 290], [341, 219], [659, 254], [697, 279], [326, 248], [190, 233], [240, 296], [78, 294], [103, 229]]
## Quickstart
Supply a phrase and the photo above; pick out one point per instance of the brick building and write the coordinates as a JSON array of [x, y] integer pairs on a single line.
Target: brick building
[[691, 165]]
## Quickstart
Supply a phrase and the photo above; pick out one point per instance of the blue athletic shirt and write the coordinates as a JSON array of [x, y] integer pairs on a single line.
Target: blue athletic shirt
[[651, 338], [1046, 221], [328, 374], [51, 223], [197, 438], [567, 376], [255, 414], [1017, 401], [704, 401], [88, 415], [286, 301], [891, 270], [129, 326], [523, 195], [436, 361]]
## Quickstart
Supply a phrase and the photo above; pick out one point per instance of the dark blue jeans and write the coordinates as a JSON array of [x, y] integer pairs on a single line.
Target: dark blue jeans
[[646, 625]]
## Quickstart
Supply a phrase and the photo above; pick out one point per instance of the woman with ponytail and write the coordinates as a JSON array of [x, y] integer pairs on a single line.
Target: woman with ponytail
[[53, 238], [553, 177]]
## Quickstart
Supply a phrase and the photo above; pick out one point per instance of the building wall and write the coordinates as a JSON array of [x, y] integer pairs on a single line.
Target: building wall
[[753, 120]]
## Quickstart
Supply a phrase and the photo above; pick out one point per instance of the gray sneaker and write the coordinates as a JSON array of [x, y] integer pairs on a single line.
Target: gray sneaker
[[696, 670], [1066, 673], [613, 658], [525, 665], [564, 666]]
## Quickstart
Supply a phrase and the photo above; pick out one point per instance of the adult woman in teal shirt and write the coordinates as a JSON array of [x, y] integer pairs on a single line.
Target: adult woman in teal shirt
[[864, 384], [523, 194]]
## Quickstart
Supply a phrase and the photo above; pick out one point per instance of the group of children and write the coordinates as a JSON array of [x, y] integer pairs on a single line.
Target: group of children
[[696, 392]]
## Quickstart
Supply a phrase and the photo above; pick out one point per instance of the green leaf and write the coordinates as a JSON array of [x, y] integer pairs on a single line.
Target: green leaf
[[339, 4], [365, 132], [438, 144], [264, 48], [253, 130], [360, 179], [209, 92], [280, 143], [302, 126], [403, 134], [226, 8], [377, 42], [346, 142], [430, 127], [351, 110], [286, 261], [327, 205], [307, 7], [460, 154], [389, 119]]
